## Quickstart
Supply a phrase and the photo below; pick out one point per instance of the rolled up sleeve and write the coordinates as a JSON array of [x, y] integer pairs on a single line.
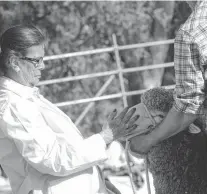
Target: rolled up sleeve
[[188, 73], [44, 150]]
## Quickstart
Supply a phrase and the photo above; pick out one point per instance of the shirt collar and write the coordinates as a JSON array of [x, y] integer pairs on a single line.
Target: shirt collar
[[19, 89]]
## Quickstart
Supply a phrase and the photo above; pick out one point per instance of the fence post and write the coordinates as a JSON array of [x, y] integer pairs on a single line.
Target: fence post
[[118, 62]]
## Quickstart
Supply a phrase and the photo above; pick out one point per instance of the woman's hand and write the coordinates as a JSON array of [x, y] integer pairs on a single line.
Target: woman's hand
[[119, 126]]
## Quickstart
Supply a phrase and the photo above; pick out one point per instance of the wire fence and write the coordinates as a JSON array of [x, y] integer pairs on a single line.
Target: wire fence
[[119, 71]]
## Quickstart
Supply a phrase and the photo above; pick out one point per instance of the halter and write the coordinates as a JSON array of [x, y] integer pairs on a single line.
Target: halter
[[149, 115]]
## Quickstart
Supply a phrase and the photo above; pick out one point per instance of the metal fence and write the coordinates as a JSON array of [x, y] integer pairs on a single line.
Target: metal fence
[[119, 71]]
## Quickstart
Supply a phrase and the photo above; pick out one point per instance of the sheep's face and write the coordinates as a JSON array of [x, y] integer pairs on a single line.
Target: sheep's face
[[145, 121]]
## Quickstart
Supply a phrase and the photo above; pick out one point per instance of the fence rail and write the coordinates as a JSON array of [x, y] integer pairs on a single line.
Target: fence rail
[[106, 97], [109, 49], [106, 73]]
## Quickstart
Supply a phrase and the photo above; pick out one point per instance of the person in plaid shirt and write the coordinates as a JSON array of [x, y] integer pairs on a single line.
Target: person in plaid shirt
[[190, 56]]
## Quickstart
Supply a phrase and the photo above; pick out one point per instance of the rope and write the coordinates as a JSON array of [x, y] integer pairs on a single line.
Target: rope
[[146, 157], [147, 174], [129, 167]]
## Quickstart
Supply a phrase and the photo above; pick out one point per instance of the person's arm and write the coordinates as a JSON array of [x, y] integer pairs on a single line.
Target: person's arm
[[47, 151], [174, 123], [189, 95], [43, 149]]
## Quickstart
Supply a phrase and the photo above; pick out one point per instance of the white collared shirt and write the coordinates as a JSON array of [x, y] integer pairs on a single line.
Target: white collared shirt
[[40, 147]]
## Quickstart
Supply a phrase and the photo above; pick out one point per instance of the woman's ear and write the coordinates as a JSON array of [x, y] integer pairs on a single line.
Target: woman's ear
[[13, 63], [16, 68], [11, 59]]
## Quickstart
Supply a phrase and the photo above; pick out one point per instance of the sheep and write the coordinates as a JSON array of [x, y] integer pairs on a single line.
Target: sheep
[[179, 163]]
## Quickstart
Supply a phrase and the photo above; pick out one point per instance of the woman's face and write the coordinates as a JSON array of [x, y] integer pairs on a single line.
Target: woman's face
[[30, 69]]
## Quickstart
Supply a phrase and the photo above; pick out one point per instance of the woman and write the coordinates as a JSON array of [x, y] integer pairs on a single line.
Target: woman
[[41, 150]]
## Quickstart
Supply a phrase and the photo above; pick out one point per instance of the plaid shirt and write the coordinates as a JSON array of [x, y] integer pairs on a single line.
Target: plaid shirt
[[189, 58]]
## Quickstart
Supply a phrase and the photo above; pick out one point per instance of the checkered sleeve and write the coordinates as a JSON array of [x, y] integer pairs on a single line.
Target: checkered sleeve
[[189, 78]]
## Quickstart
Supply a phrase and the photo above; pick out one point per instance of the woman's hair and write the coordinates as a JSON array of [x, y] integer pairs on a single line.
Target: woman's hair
[[160, 99], [17, 39]]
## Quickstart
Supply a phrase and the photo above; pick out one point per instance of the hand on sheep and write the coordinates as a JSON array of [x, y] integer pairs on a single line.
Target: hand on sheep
[[119, 126]]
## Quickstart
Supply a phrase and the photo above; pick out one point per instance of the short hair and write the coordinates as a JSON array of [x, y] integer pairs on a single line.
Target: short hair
[[18, 39], [158, 98], [21, 37]]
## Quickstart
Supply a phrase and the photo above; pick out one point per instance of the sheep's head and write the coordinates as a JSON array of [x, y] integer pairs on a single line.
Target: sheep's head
[[155, 104]]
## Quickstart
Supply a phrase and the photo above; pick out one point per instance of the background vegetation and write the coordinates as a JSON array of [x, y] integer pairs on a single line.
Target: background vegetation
[[81, 25]]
